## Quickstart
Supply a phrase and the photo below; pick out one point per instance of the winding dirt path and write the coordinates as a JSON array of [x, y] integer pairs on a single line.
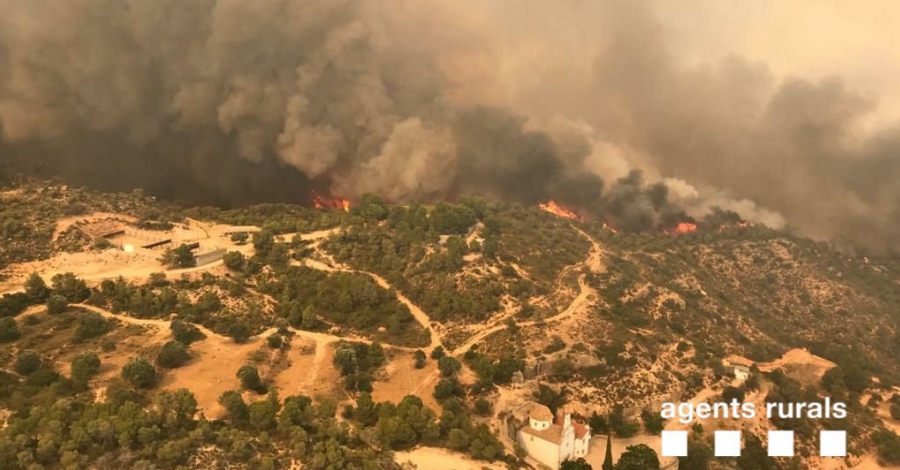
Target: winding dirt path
[[417, 313], [593, 262]]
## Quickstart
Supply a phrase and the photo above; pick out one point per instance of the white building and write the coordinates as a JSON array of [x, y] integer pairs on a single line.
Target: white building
[[550, 441], [741, 372]]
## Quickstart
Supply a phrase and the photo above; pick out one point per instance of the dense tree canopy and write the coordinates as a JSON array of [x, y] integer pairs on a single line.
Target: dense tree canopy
[[173, 354], [638, 457], [140, 373]]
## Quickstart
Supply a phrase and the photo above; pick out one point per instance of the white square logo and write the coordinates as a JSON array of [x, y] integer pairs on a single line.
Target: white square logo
[[781, 443], [728, 443], [833, 444], [674, 443]]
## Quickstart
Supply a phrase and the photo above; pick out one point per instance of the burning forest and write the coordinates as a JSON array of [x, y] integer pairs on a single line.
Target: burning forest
[[245, 102], [552, 207]]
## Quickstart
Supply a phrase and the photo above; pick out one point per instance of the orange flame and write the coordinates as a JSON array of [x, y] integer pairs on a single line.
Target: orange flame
[[324, 202], [683, 227], [552, 207]]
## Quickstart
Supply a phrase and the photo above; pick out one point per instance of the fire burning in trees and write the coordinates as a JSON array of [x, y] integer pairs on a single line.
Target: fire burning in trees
[[554, 208], [325, 202], [682, 228]]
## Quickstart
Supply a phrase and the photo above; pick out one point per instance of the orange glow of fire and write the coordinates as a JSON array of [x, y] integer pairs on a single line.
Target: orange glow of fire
[[552, 207], [684, 227], [324, 202]]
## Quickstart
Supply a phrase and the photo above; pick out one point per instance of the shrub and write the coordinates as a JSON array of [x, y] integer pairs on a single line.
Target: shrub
[[448, 366], [438, 353], [27, 362], [249, 378], [240, 238], [274, 341], [895, 410], [91, 325], [9, 330], [483, 407], [101, 243], [420, 359], [653, 422], [57, 304], [186, 333], [140, 373], [172, 355], [85, 366], [239, 332], [234, 260], [36, 289]]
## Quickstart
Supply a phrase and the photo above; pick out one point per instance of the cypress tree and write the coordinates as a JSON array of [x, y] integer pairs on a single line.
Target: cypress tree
[[608, 460]]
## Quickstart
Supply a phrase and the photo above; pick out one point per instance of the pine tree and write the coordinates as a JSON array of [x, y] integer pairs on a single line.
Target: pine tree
[[608, 460]]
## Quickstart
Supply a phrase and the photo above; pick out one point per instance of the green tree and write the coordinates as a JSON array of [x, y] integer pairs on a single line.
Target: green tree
[[57, 304], [158, 280], [140, 373], [172, 355], [309, 320], [279, 256], [262, 415], [263, 242], [9, 330], [90, 325], [234, 260], [608, 459], [653, 422], [234, 405], [27, 362], [84, 366], [438, 353], [274, 341], [176, 408], [36, 289], [895, 410], [179, 258], [239, 332], [185, 333], [579, 464], [754, 455], [249, 377], [419, 356], [240, 238], [73, 289], [365, 411], [447, 388], [699, 454], [448, 366], [638, 457], [483, 407], [620, 425]]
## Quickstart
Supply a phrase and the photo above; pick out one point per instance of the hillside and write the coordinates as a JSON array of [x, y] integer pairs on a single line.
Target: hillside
[[387, 327]]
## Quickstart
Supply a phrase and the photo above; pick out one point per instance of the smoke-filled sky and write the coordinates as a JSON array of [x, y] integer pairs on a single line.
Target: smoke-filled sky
[[781, 112]]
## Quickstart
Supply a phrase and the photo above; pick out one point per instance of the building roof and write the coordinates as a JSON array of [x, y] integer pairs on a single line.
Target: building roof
[[580, 430], [540, 413], [553, 433]]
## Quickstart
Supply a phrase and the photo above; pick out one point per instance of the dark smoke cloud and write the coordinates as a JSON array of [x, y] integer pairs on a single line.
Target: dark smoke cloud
[[233, 102]]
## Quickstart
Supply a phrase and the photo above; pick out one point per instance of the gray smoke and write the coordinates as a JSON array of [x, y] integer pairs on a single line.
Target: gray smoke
[[234, 102]]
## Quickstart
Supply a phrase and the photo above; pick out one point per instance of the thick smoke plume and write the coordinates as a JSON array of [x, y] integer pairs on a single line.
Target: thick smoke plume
[[233, 102]]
